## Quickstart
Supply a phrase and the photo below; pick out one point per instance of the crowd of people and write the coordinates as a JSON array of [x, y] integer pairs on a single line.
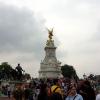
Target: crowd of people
[[54, 89]]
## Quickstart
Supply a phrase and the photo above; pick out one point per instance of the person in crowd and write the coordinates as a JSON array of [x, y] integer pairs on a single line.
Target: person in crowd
[[56, 87], [72, 94], [85, 89], [56, 96], [18, 93], [26, 92], [31, 92], [9, 91], [43, 95], [56, 92], [98, 95]]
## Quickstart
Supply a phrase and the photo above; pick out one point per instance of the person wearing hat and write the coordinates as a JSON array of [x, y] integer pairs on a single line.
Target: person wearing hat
[[56, 87], [56, 93]]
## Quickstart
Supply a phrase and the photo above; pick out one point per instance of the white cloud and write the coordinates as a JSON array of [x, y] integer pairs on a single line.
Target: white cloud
[[21, 36]]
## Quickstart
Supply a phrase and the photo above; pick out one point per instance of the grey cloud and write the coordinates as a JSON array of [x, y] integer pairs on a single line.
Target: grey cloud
[[19, 29], [22, 37]]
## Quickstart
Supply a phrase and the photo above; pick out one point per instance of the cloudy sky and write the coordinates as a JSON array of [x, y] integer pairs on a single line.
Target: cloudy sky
[[76, 26]]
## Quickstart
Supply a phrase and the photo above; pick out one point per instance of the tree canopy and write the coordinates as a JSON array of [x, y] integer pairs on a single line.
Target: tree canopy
[[5, 71], [9, 73], [69, 71]]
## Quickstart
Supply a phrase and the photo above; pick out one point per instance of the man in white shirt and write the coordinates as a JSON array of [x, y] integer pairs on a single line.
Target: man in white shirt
[[72, 94], [98, 95]]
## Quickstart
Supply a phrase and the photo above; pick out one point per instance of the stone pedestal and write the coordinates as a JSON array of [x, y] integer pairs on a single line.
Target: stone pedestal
[[50, 66]]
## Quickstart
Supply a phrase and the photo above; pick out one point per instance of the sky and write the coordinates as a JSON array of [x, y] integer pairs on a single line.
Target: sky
[[76, 24]]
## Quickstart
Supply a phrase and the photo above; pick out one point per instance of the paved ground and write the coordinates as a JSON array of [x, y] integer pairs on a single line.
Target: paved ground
[[5, 98]]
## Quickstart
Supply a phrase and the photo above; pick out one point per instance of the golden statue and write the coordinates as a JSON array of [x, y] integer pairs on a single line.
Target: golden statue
[[50, 32]]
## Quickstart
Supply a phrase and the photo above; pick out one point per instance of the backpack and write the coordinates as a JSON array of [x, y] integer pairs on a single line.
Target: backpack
[[54, 95], [51, 92]]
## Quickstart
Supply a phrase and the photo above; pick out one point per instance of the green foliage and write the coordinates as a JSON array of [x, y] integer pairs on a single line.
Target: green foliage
[[8, 73], [91, 77], [26, 76], [69, 71], [5, 71]]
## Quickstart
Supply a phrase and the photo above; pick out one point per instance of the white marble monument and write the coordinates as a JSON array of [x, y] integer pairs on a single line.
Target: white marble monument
[[50, 66]]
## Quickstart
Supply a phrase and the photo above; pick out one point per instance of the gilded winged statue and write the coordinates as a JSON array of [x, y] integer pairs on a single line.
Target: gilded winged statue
[[50, 32]]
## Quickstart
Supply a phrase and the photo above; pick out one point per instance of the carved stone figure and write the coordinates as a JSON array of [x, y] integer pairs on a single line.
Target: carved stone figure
[[19, 72], [50, 32]]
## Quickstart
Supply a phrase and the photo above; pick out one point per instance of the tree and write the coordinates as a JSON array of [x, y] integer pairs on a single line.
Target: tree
[[69, 71], [91, 77], [5, 71], [8, 73], [26, 76]]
